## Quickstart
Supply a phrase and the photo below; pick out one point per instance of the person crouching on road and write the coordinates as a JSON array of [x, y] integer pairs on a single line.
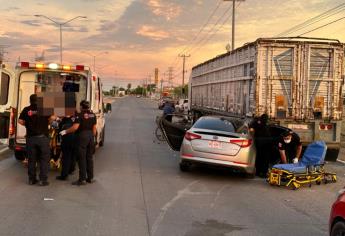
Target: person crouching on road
[[68, 143], [290, 147], [37, 141], [85, 128]]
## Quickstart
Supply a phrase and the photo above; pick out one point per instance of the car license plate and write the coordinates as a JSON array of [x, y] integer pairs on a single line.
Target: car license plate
[[215, 144]]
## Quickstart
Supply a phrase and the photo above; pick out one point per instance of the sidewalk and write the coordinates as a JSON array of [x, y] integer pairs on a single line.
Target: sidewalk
[[3, 148], [341, 156]]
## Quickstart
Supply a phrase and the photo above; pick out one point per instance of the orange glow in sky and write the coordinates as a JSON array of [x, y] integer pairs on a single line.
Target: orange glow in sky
[[140, 35]]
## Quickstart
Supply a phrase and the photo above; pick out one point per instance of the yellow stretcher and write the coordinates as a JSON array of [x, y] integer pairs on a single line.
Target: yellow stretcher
[[310, 169]]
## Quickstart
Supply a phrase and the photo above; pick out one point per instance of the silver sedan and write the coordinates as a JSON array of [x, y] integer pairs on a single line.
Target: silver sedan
[[213, 140]]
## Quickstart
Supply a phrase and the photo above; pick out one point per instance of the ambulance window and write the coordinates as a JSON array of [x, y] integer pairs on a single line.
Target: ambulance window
[[5, 83]]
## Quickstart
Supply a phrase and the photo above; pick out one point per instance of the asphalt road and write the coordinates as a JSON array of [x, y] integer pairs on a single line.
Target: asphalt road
[[140, 191]]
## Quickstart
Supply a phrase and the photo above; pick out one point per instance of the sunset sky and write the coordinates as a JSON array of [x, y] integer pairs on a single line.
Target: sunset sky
[[139, 35]]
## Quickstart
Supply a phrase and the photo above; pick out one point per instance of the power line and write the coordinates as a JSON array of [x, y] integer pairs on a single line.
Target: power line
[[203, 27], [211, 36], [313, 20], [215, 25], [175, 61], [322, 26]]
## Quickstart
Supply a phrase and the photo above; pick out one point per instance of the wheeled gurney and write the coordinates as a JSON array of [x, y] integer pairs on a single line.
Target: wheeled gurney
[[310, 169]]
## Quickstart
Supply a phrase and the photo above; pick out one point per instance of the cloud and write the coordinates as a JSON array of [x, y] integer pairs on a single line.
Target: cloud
[[30, 22], [164, 8], [12, 9], [151, 32]]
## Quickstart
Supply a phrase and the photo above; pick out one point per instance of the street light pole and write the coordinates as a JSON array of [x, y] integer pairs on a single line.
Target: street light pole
[[60, 27], [60, 44], [94, 58]]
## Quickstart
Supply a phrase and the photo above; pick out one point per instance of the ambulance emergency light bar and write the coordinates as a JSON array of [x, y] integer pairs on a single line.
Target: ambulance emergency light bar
[[51, 66]]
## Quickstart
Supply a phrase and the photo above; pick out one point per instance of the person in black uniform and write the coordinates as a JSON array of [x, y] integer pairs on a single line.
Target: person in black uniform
[[68, 143], [263, 141], [85, 128], [37, 141], [290, 147]]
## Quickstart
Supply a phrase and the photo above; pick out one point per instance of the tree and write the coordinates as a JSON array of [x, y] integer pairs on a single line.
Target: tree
[[179, 91]]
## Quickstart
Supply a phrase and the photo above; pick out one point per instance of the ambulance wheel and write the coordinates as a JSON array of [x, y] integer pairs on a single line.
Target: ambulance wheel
[[250, 175], [19, 155], [338, 228], [184, 166], [101, 143]]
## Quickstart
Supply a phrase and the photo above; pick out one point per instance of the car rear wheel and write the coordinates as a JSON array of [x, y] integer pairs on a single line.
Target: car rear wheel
[[184, 166], [19, 155], [338, 229]]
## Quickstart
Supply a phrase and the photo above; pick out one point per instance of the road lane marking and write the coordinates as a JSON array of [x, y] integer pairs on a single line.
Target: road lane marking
[[166, 207]]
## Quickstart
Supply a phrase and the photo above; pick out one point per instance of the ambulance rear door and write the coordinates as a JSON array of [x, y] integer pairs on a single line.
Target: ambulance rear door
[[6, 102]]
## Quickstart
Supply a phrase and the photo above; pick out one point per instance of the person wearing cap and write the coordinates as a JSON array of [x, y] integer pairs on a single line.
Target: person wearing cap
[[262, 139], [37, 141], [290, 147], [85, 128]]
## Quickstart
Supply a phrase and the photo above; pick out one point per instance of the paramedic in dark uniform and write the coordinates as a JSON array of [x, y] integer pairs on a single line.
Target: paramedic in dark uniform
[[68, 144], [85, 128], [37, 141], [290, 147], [263, 142]]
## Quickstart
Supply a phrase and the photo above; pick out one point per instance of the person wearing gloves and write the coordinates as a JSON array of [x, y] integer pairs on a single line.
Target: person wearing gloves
[[85, 128], [290, 147], [68, 144]]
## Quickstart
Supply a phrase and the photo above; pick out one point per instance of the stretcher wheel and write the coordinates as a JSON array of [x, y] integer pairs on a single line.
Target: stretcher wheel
[[295, 185], [334, 178]]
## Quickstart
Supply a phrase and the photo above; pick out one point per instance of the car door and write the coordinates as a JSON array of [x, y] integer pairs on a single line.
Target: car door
[[174, 131], [6, 83]]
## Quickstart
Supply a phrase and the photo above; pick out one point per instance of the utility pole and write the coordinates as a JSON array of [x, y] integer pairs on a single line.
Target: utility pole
[[170, 76], [183, 70], [162, 80], [149, 86], [233, 21]]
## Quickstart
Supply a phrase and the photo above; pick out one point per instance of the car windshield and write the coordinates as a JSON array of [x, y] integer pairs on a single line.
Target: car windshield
[[214, 123]]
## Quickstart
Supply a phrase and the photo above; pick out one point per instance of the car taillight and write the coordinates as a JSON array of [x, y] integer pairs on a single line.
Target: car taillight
[[241, 142], [12, 121], [326, 126], [190, 136]]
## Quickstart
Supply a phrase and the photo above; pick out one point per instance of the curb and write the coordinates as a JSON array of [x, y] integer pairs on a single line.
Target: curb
[[341, 161], [4, 150]]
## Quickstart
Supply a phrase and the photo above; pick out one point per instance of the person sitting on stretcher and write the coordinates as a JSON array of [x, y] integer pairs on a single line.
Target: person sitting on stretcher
[[290, 147]]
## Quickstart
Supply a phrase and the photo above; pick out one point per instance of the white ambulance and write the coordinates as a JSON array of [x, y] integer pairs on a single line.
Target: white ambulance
[[30, 78]]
